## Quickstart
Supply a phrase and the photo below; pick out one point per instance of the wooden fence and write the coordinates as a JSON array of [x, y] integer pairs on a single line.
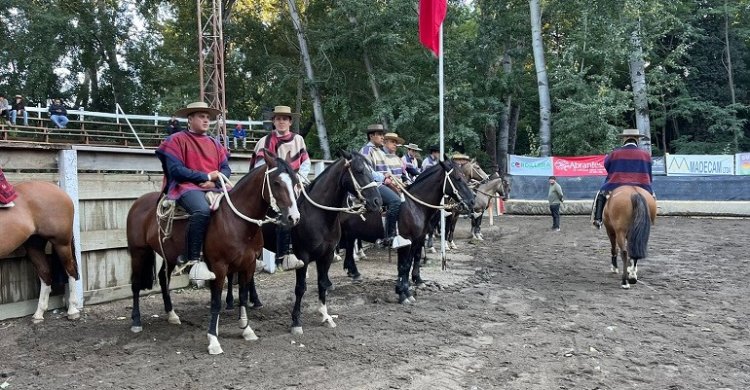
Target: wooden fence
[[103, 182]]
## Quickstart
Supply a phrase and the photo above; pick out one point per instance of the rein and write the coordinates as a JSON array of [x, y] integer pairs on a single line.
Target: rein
[[438, 207], [353, 209], [266, 185]]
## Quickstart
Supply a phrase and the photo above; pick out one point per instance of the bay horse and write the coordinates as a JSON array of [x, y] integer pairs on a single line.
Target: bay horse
[[422, 202], [628, 216], [43, 213], [319, 231], [233, 240]]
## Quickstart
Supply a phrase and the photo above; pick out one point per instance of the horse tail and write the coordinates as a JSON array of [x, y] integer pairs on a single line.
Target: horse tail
[[640, 228]]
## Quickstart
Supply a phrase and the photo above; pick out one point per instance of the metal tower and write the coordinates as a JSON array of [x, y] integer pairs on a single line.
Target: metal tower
[[211, 64]]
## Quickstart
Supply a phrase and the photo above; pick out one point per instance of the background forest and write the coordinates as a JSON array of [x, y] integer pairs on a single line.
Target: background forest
[[369, 67]]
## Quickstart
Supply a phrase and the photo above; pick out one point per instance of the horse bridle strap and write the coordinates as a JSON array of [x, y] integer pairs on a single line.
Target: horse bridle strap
[[266, 183]]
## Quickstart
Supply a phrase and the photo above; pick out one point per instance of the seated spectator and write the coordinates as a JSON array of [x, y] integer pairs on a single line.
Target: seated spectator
[[239, 133], [18, 107], [58, 114], [4, 107], [172, 126]]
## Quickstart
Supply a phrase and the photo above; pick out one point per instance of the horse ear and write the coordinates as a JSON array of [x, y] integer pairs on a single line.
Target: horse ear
[[345, 154], [270, 157]]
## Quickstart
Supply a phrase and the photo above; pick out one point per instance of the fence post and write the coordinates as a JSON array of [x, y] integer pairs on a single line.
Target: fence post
[[67, 165]]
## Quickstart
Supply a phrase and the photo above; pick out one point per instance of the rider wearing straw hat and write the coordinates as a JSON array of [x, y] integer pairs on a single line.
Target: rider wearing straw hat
[[411, 162], [627, 165], [285, 144], [192, 162], [388, 168], [460, 158]]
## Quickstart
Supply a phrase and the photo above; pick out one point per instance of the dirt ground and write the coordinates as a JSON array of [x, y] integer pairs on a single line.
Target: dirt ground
[[527, 308]]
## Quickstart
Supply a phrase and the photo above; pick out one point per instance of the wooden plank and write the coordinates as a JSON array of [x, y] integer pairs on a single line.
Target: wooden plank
[[104, 214], [101, 186], [95, 240], [11, 158]]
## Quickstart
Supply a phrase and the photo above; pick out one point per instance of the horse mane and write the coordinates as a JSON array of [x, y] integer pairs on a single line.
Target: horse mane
[[431, 171], [282, 165], [321, 176]]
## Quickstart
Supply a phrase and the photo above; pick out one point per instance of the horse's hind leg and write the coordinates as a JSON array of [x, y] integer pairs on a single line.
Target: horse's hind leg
[[324, 284], [230, 294], [172, 317], [625, 262], [257, 304], [633, 272], [299, 291], [349, 264], [65, 254], [35, 251]]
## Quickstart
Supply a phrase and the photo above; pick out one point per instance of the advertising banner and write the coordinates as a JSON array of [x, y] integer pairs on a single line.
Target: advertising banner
[[529, 166], [699, 165], [742, 161], [579, 166], [658, 165]]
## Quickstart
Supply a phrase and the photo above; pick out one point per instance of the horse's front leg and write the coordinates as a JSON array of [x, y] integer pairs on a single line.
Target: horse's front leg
[[299, 291], [402, 283], [217, 286], [416, 254], [324, 284], [247, 332], [172, 317]]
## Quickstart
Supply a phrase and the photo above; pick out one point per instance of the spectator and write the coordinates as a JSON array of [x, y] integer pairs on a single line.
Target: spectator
[[172, 126], [19, 108], [239, 133], [4, 107], [58, 114], [555, 198]]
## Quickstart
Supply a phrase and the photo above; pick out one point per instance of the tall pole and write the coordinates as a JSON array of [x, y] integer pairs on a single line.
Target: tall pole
[[211, 61], [442, 141]]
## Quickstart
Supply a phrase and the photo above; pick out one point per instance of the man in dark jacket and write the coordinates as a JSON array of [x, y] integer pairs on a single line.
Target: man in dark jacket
[[58, 114]]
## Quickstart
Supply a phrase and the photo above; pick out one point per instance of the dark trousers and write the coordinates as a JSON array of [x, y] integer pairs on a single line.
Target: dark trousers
[[194, 202], [392, 202], [555, 210]]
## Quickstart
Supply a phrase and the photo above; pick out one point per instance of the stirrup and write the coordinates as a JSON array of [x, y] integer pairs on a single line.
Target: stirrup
[[291, 262], [399, 242], [200, 271], [7, 205]]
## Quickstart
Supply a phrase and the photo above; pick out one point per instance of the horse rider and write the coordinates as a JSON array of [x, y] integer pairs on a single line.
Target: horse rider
[[285, 144], [7, 192], [192, 162], [432, 159], [388, 167], [410, 162], [627, 165]]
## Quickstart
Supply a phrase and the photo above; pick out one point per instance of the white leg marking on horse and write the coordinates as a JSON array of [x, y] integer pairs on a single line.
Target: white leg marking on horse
[[480, 236], [453, 245], [214, 348], [73, 312], [411, 299], [336, 257], [626, 285], [248, 334], [43, 303], [297, 330], [362, 254], [326, 319], [614, 270], [243, 317], [173, 318], [136, 329]]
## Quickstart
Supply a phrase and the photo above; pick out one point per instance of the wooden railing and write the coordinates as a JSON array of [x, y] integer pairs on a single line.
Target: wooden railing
[[97, 128]]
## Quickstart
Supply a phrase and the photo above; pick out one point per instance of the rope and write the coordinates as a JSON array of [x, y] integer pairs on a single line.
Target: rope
[[355, 209], [401, 185], [260, 222]]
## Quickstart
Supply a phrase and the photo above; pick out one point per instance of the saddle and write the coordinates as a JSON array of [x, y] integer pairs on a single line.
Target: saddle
[[168, 211]]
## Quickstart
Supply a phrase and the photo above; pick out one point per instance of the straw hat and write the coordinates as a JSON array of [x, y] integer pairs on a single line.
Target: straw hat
[[197, 107], [284, 111], [460, 156], [375, 128], [394, 137], [413, 146], [632, 133]]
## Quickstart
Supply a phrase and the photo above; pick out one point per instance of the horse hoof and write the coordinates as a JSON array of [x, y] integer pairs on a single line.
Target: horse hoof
[[336, 258], [74, 316], [626, 286], [614, 270], [411, 299], [173, 319], [214, 348], [36, 320], [249, 335], [256, 306], [229, 307], [297, 330], [418, 282], [432, 250], [136, 329], [329, 324], [357, 279]]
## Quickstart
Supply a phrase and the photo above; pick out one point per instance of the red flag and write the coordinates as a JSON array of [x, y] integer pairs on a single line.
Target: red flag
[[431, 15]]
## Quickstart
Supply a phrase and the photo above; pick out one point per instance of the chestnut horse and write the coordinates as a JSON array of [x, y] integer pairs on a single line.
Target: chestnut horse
[[628, 216], [43, 213], [233, 240], [422, 202]]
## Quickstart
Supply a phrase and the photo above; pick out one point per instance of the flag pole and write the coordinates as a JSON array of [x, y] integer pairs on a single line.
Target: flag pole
[[442, 138]]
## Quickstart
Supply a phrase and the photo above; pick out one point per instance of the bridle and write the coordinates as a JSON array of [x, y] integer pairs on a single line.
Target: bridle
[[350, 208]]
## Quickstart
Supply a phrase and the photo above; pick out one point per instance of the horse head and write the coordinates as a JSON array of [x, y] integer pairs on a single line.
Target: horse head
[[278, 188], [456, 186], [360, 182], [506, 187], [474, 172]]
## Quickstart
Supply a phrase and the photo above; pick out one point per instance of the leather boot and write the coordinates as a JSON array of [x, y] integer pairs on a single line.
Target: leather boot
[[601, 199]]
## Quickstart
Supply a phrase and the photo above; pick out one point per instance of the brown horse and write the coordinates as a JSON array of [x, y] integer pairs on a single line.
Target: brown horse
[[628, 216], [43, 213], [233, 240]]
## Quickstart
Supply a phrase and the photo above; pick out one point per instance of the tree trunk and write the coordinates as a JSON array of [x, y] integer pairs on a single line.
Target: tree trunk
[[314, 93], [373, 85], [300, 91], [490, 135], [638, 81], [502, 139], [515, 113], [545, 107]]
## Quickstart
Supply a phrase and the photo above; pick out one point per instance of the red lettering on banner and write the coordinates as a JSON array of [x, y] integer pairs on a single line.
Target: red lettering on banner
[[579, 166]]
